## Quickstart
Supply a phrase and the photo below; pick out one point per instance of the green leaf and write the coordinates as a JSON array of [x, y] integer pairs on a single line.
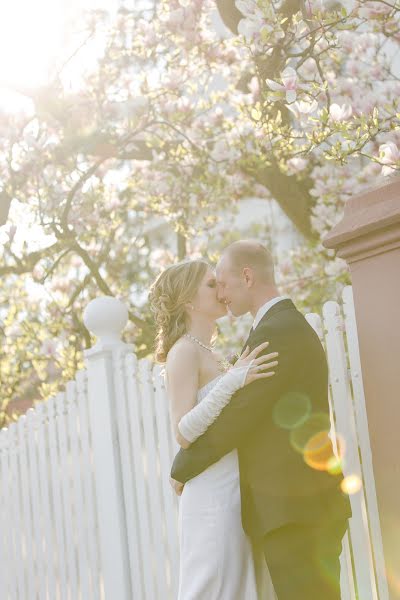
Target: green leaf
[[256, 114]]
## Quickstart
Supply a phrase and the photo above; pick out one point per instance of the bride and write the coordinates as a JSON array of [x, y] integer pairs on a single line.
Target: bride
[[217, 559]]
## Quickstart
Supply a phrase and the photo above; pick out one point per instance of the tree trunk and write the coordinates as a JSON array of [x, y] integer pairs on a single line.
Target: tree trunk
[[292, 195]]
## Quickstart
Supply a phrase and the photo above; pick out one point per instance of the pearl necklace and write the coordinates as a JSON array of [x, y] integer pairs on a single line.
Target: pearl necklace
[[191, 337], [224, 364]]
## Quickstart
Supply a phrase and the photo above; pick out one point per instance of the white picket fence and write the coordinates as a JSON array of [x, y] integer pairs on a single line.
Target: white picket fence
[[86, 508]]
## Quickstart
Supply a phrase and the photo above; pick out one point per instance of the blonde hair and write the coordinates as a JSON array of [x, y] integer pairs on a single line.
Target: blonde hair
[[173, 288]]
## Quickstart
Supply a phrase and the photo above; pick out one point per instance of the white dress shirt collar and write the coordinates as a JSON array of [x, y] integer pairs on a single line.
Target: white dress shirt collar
[[265, 308]]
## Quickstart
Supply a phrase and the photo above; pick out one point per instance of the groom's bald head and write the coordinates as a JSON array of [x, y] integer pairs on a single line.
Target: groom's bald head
[[245, 277], [251, 254]]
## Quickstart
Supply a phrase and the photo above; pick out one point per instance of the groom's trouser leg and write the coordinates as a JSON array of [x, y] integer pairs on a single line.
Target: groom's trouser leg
[[303, 560]]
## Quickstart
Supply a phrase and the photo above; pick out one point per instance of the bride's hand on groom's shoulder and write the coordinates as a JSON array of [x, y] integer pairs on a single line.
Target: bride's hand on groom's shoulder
[[258, 367], [177, 486]]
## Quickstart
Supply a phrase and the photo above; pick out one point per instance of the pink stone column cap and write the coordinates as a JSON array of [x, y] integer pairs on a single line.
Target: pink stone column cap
[[370, 224]]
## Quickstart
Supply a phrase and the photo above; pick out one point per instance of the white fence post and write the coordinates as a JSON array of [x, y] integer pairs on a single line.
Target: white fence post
[[362, 429], [106, 317], [346, 428], [347, 585]]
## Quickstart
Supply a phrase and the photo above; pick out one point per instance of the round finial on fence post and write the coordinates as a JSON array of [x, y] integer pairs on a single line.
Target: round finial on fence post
[[106, 317]]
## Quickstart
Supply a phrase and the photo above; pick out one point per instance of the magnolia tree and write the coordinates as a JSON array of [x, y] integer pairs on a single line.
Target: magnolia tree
[[323, 112], [178, 119]]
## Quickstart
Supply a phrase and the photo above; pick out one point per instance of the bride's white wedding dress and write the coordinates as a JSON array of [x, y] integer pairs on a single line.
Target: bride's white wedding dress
[[217, 559]]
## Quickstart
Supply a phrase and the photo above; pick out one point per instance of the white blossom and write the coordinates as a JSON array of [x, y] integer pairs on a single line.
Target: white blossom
[[340, 113]]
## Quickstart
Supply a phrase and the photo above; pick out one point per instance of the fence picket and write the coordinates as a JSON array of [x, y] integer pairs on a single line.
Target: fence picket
[[76, 488], [66, 493], [15, 498], [143, 535], [58, 508], [153, 476], [169, 497], [347, 586], [30, 578], [45, 498], [35, 494], [364, 443], [345, 427], [3, 514], [88, 485], [9, 575]]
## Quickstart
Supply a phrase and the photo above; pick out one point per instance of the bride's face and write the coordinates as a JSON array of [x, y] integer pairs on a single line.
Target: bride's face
[[206, 300]]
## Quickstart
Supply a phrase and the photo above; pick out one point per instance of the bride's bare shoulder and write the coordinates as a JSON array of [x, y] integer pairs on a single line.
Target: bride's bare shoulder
[[182, 361], [183, 349]]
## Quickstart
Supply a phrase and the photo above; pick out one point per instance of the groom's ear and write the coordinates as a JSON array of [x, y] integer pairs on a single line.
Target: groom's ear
[[248, 276]]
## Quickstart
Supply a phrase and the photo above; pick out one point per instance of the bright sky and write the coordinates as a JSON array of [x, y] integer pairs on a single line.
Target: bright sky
[[32, 36]]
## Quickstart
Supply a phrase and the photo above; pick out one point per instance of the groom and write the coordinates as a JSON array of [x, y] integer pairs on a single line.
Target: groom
[[292, 503]]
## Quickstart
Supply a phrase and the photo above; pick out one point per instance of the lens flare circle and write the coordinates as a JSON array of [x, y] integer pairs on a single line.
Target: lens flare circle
[[302, 435], [318, 452], [291, 410], [334, 465], [351, 485], [312, 439]]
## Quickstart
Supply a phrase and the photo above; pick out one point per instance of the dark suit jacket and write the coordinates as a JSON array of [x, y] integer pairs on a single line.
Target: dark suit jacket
[[277, 485]]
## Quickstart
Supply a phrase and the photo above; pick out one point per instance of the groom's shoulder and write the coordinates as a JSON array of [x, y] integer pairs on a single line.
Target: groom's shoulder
[[281, 313], [288, 319]]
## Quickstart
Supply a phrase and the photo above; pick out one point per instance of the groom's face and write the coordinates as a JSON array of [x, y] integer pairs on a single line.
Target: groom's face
[[231, 288]]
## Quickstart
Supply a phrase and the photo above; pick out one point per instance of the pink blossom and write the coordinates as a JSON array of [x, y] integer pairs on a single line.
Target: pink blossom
[[250, 28], [312, 6], [254, 87], [308, 69], [289, 84], [374, 10], [297, 164], [49, 348], [175, 18], [11, 232], [37, 273], [76, 262], [160, 258], [172, 80], [389, 155], [303, 108], [222, 151], [258, 24]]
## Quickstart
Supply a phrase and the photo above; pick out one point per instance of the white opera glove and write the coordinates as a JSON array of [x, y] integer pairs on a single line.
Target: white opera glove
[[195, 422]]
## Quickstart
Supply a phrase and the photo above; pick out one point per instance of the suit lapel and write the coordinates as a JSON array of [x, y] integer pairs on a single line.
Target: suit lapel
[[282, 305], [278, 307], [246, 342]]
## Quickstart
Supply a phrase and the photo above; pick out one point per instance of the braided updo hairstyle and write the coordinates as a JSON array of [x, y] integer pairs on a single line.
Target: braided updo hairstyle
[[173, 288]]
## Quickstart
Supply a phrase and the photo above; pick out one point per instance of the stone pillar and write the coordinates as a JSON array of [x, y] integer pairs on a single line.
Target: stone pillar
[[368, 238]]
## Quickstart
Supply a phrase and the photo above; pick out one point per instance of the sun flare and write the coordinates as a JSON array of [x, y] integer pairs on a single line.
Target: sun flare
[[29, 39], [34, 36]]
